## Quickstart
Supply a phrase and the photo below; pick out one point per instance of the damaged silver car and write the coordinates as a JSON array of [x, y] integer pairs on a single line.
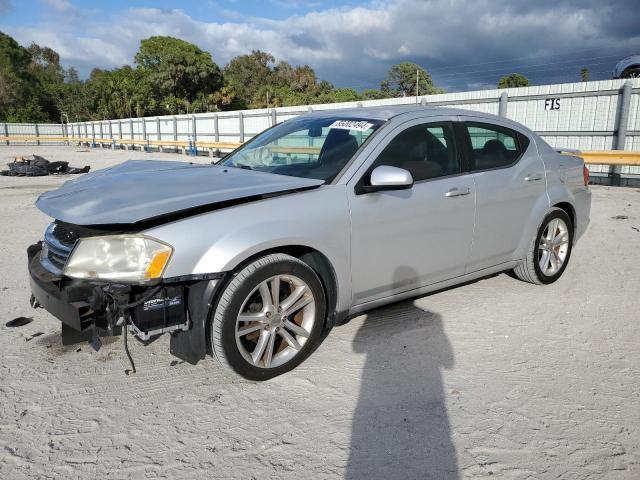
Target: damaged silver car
[[312, 222]]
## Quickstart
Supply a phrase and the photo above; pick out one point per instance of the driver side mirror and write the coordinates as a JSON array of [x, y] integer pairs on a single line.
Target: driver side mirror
[[386, 177]]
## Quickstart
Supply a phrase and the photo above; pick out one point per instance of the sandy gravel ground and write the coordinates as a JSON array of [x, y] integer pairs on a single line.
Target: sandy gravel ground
[[498, 378]]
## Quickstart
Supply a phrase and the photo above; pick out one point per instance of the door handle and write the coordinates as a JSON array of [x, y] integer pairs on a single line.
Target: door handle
[[457, 192], [533, 178]]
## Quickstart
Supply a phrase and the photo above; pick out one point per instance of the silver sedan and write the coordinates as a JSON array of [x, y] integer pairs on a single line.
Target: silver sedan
[[312, 222]]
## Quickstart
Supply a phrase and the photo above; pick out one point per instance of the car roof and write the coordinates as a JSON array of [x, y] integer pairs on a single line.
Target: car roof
[[387, 112]]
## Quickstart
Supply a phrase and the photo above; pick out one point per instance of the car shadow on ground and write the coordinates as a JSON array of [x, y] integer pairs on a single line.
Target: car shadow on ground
[[400, 425]]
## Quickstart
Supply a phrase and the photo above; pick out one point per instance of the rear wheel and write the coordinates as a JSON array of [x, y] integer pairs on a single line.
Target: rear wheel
[[268, 318], [549, 251]]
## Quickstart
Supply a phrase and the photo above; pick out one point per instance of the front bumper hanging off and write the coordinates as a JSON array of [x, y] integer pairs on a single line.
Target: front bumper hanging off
[[89, 308]]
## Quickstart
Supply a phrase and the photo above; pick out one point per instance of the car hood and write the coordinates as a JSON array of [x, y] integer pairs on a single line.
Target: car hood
[[142, 190]]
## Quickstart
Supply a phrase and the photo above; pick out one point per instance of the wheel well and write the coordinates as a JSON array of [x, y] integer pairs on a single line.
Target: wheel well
[[318, 262], [568, 208], [631, 69]]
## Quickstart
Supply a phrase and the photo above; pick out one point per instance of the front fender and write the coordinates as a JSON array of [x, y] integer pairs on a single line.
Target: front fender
[[220, 240]]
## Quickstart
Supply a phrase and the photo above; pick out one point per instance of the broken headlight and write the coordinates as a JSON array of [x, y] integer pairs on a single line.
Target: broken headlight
[[123, 258]]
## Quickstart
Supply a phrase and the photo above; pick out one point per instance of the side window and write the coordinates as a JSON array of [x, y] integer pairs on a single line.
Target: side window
[[492, 146], [426, 150]]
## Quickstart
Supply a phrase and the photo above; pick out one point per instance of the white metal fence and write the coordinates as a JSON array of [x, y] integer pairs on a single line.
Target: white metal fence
[[600, 115]]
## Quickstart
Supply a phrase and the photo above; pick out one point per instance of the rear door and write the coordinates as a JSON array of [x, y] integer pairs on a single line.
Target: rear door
[[509, 177]]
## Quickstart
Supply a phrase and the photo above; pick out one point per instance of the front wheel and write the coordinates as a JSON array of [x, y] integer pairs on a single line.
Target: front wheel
[[268, 318], [549, 252]]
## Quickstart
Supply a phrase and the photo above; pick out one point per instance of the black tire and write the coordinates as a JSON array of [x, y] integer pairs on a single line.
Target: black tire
[[223, 323], [631, 72], [529, 270]]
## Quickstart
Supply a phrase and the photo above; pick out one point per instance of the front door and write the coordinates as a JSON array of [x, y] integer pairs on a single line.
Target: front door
[[406, 239]]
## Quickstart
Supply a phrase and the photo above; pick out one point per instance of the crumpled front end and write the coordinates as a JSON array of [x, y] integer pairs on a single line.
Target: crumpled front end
[[90, 308]]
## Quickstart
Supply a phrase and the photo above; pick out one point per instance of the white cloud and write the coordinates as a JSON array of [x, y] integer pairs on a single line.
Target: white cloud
[[297, 4], [354, 45], [59, 5]]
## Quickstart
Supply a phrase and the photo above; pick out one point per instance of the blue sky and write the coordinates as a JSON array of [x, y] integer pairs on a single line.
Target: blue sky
[[22, 12], [464, 44]]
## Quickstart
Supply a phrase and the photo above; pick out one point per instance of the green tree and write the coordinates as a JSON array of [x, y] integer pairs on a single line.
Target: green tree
[[13, 62], [584, 74], [513, 80], [401, 80], [170, 76], [18, 87], [373, 94], [246, 74], [74, 102], [47, 75], [223, 99], [124, 92], [344, 95], [175, 68]]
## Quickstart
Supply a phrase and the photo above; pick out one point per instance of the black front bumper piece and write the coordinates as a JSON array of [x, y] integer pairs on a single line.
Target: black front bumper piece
[[88, 307], [68, 304]]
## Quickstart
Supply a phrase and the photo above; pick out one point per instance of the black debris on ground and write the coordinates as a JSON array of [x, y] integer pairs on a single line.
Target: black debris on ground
[[37, 166], [37, 334], [19, 322]]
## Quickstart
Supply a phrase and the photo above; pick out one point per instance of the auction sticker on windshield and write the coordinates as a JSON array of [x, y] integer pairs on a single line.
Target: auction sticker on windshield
[[357, 125]]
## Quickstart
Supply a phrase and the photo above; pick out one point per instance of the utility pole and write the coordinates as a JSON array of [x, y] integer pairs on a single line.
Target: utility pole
[[417, 85]]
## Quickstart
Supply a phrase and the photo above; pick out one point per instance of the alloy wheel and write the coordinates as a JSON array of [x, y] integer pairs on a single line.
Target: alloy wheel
[[553, 247], [275, 321]]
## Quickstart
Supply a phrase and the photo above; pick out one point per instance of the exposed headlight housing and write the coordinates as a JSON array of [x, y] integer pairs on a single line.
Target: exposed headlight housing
[[122, 258]]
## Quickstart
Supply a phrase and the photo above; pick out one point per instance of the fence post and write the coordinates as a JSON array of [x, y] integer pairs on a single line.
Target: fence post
[[120, 129], [159, 132], [241, 123], [93, 135], [502, 106], [144, 135], [37, 133], [274, 119], [175, 130], [622, 121], [131, 131], [216, 130], [101, 134], [6, 132], [113, 144]]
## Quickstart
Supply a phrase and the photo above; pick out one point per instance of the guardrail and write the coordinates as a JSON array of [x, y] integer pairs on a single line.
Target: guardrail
[[610, 157], [180, 144], [191, 147], [33, 138], [591, 157]]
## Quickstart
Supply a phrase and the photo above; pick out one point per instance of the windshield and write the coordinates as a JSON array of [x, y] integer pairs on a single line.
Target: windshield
[[305, 147]]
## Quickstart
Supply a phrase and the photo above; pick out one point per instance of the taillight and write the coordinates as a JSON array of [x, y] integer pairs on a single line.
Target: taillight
[[585, 175]]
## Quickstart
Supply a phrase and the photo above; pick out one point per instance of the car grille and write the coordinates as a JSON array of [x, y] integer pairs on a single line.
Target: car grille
[[56, 248]]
